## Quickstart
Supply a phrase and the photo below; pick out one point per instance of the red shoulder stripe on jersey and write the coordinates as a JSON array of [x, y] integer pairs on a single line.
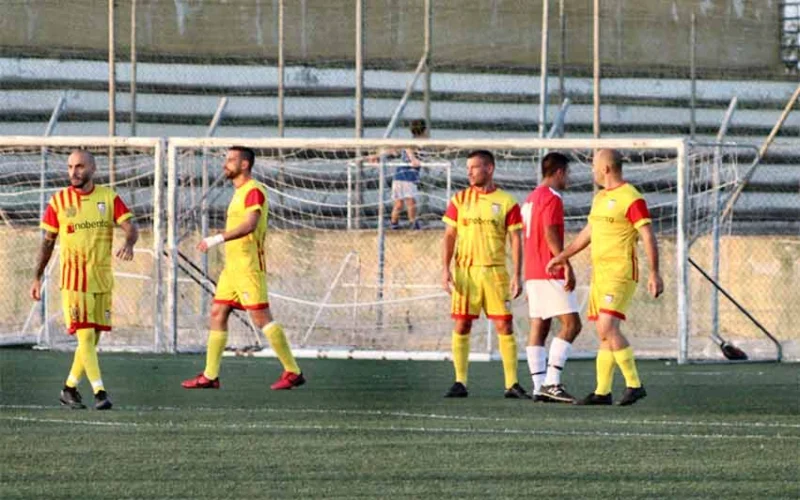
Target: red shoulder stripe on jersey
[[254, 198], [451, 212], [637, 211], [61, 199], [514, 216], [50, 218], [70, 198], [120, 208]]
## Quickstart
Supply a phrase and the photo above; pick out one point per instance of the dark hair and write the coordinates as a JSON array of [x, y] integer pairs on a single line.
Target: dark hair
[[418, 127], [552, 163], [246, 154], [483, 154]]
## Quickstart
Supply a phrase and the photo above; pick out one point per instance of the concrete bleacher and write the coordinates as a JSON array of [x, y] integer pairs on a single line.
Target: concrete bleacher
[[180, 99]]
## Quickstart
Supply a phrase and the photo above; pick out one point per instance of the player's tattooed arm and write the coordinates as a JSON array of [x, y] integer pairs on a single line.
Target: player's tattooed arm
[[45, 252]]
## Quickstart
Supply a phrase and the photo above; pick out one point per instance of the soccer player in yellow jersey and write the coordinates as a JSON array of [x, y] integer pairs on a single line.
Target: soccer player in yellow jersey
[[243, 282], [83, 216], [478, 221], [618, 217]]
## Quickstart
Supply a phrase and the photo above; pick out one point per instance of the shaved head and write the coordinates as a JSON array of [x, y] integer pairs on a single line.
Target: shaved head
[[607, 167], [611, 158], [80, 156], [81, 168]]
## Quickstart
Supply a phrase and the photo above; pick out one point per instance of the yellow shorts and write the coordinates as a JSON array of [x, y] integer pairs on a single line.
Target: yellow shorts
[[242, 290], [86, 310], [481, 288], [610, 296]]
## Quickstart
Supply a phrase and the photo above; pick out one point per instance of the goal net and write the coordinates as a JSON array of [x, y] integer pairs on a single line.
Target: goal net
[[32, 169], [343, 283]]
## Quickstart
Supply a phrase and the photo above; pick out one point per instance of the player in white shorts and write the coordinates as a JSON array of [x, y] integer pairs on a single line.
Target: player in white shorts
[[549, 295]]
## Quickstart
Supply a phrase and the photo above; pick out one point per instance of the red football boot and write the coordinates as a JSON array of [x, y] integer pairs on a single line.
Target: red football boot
[[200, 382], [288, 380]]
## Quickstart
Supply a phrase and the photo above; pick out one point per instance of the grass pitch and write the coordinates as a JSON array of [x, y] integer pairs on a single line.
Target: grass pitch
[[380, 429]]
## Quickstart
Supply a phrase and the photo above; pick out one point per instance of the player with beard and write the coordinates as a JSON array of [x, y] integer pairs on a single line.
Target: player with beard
[[243, 282], [82, 217]]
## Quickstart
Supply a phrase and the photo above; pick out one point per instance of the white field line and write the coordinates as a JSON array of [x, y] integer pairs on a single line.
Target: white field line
[[390, 428], [438, 416]]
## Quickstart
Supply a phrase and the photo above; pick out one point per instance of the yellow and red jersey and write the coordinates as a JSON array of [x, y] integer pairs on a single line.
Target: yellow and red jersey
[[247, 254], [84, 223], [482, 220], [615, 217]]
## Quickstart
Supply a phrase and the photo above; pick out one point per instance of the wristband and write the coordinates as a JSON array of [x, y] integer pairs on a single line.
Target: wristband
[[215, 240]]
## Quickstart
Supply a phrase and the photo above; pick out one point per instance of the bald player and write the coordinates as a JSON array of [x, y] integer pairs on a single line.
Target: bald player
[[83, 216], [619, 216]]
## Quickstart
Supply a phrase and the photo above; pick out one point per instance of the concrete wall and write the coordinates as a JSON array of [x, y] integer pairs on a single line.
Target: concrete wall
[[733, 35]]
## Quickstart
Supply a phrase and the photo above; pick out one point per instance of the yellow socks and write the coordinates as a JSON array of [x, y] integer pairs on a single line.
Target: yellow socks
[[605, 372], [508, 353], [88, 353], [627, 365], [216, 345], [460, 347], [76, 372], [277, 339]]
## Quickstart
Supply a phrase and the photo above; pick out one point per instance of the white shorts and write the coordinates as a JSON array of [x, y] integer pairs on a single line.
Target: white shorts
[[547, 298], [402, 190]]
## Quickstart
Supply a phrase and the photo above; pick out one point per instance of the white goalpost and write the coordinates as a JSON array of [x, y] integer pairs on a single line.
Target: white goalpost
[[31, 170], [344, 284]]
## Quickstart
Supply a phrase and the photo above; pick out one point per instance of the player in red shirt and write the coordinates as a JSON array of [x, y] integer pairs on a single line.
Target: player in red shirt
[[549, 294]]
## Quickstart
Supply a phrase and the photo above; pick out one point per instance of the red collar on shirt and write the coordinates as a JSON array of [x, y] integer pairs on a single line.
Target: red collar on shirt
[[494, 188], [82, 193]]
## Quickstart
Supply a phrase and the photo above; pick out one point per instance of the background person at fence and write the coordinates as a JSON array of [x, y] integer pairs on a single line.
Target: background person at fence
[[618, 212], [549, 295], [478, 220], [83, 215], [243, 282], [405, 183]]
